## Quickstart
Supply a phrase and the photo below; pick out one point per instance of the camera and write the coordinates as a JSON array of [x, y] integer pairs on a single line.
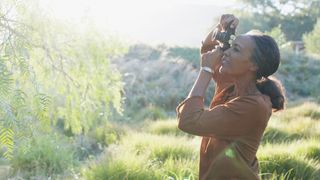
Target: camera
[[224, 37]]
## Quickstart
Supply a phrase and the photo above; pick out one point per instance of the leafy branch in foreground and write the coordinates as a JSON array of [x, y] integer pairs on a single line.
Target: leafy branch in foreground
[[50, 72]]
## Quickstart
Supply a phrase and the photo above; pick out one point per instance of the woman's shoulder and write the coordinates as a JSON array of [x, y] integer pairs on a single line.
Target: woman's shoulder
[[255, 103]]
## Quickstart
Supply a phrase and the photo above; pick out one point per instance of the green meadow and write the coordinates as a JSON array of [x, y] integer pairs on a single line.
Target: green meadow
[[290, 149]]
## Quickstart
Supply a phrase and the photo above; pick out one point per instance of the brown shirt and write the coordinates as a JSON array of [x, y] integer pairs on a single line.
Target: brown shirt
[[232, 129]]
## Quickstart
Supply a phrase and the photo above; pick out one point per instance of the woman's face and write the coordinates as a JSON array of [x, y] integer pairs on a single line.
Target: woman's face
[[236, 61]]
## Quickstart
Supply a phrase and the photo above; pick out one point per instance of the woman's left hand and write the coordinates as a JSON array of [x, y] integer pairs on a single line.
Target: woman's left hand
[[212, 58]]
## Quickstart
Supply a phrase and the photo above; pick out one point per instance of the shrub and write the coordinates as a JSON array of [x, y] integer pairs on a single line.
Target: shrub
[[189, 54], [44, 155], [104, 134], [299, 74], [160, 84], [154, 85], [151, 112], [312, 39]]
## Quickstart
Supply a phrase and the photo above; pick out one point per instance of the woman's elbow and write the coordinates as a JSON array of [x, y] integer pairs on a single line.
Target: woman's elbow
[[181, 126], [185, 126]]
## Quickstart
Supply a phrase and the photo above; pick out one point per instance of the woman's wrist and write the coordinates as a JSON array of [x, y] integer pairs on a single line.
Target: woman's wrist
[[201, 84], [207, 69]]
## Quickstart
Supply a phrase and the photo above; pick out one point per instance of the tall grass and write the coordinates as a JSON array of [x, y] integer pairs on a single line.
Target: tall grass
[[147, 156], [159, 150], [294, 160], [44, 156]]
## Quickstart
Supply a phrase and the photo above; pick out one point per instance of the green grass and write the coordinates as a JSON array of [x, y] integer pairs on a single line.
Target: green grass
[[306, 109], [44, 156], [148, 156], [300, 158], [290, 149], [164, 127], [157, 149]]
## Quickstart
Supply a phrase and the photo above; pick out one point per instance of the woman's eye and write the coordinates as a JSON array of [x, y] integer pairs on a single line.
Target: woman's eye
[[235, 48]]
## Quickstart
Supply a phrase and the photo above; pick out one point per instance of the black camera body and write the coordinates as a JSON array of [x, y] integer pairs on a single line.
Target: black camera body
[[224, 37]]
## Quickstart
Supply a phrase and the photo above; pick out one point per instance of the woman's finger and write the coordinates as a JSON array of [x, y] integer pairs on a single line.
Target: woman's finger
[[223, 18], [235, 23], [226, 19]]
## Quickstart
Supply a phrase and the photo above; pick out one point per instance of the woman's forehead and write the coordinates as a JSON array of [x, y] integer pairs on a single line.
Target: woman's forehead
[[244, 41]]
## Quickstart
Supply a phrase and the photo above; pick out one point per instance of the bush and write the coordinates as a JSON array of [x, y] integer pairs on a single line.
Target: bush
[[104, 134], [312, 39], [144, 52], [156, 85], [159, 86], [151, 113], [299, 74], [189, 54], [44, 155], [163, 81]]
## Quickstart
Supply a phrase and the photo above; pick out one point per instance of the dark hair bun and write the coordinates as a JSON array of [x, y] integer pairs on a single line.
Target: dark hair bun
[[274, 89], [266, 55]]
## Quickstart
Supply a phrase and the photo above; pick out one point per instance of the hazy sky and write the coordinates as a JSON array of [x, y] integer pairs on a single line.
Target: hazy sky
[[174, 22]]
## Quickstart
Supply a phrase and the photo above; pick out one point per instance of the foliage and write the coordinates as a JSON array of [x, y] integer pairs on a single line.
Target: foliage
[[43, 155], [50, 71], [312, 39], [106, 134], [189, 54], [153, 88], [277, 35], [300, 15], [160, 83], [299, 74], [145, 52]]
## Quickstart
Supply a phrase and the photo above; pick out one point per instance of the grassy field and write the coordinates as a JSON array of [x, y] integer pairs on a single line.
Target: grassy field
[[290, 149]]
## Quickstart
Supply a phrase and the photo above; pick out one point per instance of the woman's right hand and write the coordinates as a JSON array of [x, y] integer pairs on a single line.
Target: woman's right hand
[[209, 44], [226, 19]]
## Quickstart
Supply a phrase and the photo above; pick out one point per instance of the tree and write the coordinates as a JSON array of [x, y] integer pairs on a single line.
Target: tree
[[312, 39], [296, 17], [51, 71], [278, 35]]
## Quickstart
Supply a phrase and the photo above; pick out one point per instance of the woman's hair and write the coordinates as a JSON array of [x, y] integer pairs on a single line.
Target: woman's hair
[[266, 55]]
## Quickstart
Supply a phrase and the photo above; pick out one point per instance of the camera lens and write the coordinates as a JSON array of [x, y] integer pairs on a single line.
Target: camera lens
[[220, 36]]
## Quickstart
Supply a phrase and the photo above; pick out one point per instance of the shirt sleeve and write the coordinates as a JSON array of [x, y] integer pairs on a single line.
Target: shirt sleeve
[[234, 118]]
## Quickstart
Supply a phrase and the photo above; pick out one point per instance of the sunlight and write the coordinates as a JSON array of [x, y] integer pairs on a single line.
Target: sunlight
[[152, 21]]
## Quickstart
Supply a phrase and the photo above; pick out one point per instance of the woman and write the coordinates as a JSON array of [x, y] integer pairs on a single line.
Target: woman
[[244, 99]]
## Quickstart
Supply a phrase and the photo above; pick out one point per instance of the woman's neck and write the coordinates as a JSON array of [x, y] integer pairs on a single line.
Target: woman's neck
[[246, 85]]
